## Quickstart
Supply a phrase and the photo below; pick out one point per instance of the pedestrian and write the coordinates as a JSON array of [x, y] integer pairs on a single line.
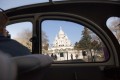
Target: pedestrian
[[76, 56], [71, 56]]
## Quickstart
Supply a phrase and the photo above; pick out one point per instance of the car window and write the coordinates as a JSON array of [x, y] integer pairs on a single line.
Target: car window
[[71, 42], [21, 32], [113, 23]]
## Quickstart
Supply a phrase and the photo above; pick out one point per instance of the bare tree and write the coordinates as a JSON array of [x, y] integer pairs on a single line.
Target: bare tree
[[45, 44], [24, 37]]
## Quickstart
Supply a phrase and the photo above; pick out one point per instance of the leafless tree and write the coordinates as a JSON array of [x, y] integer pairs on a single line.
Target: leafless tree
[[44, 41], [24, 37]]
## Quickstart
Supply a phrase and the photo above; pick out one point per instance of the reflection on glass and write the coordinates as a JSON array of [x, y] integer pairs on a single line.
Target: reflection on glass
[[71, 42]]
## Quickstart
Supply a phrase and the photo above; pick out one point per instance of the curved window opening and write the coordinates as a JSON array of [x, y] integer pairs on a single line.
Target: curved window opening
[[67, 41], [21, 32], [113, 23]]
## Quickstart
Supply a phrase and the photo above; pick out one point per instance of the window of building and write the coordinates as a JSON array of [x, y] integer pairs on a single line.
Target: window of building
[[61, 54]]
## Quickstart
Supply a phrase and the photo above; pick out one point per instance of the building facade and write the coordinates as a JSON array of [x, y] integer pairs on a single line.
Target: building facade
[[63, 49]]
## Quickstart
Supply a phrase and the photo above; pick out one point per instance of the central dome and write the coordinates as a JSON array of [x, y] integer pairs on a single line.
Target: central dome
[[61, 31]]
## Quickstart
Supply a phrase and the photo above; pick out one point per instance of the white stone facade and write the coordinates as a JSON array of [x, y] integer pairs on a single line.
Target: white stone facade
[[63, 49]]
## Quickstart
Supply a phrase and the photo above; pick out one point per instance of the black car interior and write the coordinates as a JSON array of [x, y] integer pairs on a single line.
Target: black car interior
[[92, 14]]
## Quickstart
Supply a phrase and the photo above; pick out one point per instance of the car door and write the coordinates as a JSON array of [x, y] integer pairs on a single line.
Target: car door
[[75, 35], [67, 66]]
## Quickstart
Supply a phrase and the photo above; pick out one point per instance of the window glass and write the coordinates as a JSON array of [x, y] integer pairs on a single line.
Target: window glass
[[113, 23], [21, 32], [71, 42]]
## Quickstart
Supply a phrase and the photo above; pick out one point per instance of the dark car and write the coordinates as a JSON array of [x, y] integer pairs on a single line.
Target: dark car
[[72, 32]]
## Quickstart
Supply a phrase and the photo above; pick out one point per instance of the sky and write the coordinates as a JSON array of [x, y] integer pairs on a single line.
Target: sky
[[7, 4], [17, 28], [51, 28], [71, 29]]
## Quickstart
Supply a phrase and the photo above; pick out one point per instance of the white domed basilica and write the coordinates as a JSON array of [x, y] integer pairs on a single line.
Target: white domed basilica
[[62, 48], [61, 41]]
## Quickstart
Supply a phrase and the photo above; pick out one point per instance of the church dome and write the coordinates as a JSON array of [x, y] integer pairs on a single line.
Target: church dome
[[61, 31], [61, 40]]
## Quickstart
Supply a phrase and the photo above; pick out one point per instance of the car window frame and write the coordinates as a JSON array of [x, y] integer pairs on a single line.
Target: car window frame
[[83, 21], [25, 11], [20, 19]]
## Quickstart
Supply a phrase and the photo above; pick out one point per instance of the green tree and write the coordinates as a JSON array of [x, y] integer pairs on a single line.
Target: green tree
[[96, 46], [85, 41], [76, 47], [89, 42]]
